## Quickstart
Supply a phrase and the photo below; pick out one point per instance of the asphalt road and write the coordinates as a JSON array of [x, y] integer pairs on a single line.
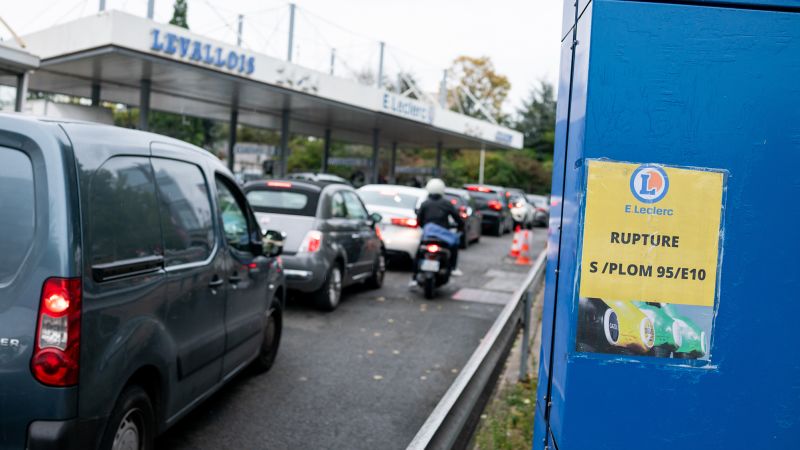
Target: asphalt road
[[365, 376]]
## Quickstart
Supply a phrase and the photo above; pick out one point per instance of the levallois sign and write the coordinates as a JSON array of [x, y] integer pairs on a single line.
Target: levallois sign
[[200, 52]]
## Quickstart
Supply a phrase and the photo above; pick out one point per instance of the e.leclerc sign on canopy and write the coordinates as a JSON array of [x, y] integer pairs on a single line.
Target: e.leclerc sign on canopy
[[197, 51]]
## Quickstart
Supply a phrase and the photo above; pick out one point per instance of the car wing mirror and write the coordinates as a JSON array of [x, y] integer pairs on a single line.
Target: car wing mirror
[[272, 242], [375, 218]]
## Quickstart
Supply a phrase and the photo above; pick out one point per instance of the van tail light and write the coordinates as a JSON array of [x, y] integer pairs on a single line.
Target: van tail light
[[312, 242], [404, 222], [433, 248], [378, 232], [495, 205], [56, 352]]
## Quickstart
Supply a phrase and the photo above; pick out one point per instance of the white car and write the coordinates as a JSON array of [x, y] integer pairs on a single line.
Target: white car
[[522, 212], [398, 206]]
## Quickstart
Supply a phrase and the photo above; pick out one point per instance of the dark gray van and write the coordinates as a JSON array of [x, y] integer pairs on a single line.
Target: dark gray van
[[134, 281]]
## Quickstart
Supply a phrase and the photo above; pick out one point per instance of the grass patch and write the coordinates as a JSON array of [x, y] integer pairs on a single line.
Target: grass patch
[[507, 423]]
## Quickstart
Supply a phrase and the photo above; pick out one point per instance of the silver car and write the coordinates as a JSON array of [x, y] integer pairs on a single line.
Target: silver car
[[397, 206]]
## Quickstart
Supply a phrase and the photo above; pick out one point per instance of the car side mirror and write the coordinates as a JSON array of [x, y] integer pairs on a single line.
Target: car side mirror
[[375, 218], [272, 242]]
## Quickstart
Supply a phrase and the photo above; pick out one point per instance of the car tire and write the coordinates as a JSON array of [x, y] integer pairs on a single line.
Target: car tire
[[132, 422], [327, 298], [273, 329], [498, 229], [378, 272]]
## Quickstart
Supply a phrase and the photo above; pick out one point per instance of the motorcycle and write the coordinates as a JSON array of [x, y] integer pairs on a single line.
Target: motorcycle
[[433, 264]]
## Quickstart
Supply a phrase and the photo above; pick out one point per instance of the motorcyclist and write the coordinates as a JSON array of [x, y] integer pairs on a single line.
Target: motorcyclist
[[437, 209]]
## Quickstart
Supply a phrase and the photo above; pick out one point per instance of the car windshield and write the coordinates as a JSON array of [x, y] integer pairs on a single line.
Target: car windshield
[[283, 202], [389, 198]]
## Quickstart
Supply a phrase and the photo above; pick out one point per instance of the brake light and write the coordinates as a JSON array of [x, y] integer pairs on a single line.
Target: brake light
[[508, 194], [56, 352], [462, 211], [279, 184], [495, 205], [540, 209], [312, 242], [432, 248], [404, 222], [453, 201], [478, 188], [378, 232]]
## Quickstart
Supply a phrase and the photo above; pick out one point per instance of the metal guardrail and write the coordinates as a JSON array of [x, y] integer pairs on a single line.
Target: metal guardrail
[[453, 421]]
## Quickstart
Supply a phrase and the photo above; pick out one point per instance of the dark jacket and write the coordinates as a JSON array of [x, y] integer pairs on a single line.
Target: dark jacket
[[436, 209]]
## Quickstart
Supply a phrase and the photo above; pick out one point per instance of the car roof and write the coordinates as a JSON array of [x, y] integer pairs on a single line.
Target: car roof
[[400, 189], [490, 186], [457, 191], [304, 185]]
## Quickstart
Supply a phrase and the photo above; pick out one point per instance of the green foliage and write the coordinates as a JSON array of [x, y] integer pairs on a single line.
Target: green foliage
[[194, 130], [537, 118], [507, 423], [512, 168], [179, 14]]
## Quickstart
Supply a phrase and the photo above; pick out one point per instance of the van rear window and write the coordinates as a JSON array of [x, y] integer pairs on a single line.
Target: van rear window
[[18, 213], [283, 201]]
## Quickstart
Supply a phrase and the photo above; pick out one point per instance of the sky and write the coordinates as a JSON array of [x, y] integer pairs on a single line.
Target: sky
[[421, 36]]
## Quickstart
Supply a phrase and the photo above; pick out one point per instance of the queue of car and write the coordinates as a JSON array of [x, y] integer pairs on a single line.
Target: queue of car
[[142, 277]]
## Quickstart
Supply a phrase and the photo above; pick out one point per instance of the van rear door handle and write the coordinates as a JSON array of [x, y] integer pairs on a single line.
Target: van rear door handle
[[215, 282]]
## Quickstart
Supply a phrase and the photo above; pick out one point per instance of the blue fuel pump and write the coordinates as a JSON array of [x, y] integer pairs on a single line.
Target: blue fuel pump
[[678, 129]]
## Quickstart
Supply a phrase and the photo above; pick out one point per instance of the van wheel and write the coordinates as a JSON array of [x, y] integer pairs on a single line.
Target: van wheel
[[131, 425], [328, 296], [378, 272], [272, 340]]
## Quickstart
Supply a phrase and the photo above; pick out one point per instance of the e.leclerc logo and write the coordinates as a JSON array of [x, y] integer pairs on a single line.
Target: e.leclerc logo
[[649, 184]]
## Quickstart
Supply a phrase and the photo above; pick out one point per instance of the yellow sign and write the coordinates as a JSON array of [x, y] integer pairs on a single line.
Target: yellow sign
[[651, 233]]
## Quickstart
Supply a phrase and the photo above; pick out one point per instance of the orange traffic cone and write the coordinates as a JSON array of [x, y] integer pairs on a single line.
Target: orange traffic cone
[[524, 257], [515, 244]]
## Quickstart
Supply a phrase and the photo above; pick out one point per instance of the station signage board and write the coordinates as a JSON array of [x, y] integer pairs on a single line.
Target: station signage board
[[197, 51]]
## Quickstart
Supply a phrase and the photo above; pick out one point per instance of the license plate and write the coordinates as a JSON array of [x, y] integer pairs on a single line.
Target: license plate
[[429, 265]]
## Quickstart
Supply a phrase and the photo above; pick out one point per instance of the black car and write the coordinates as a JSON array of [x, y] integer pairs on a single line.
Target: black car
[[134, 282], [492, 202], [331, 240], [468, 210]]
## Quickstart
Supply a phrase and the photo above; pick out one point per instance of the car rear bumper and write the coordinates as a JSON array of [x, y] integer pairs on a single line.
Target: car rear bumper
[[63, 434], [305, 272], [401, 240]]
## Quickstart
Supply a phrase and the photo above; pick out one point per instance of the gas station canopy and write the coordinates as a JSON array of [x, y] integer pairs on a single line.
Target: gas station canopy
[[121, 55]]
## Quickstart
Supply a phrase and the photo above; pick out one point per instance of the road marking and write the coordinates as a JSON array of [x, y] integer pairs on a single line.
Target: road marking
[[481, 296]]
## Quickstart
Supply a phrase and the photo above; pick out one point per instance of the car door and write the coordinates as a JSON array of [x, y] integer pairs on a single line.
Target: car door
[[195, 296], [365, 241], [245, 275], [345, 233]]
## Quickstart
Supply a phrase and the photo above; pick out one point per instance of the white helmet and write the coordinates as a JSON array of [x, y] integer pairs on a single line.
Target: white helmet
[[435, 186]]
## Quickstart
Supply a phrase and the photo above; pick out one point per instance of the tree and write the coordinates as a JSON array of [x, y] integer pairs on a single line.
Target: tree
[[537, 118], [479, 78], [180, 10]]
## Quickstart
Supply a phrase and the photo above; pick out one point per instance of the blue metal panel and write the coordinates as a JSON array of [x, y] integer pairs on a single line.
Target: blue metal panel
[[554, 234], [692, 86]]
